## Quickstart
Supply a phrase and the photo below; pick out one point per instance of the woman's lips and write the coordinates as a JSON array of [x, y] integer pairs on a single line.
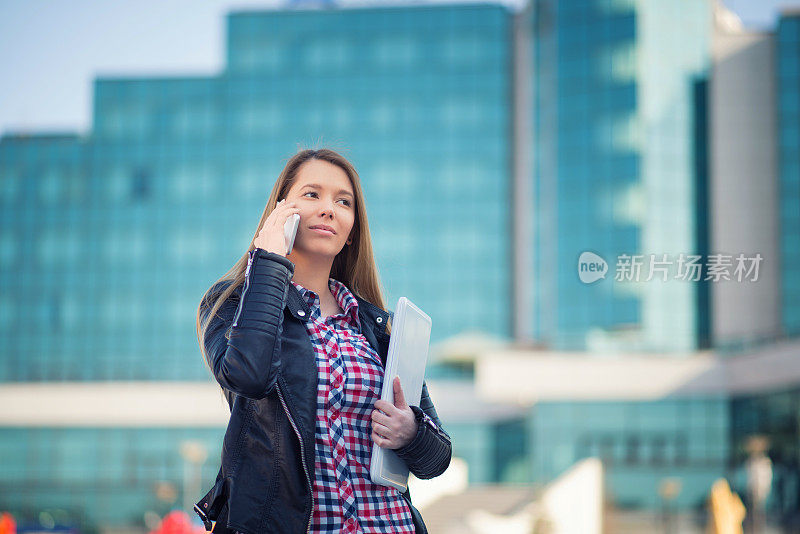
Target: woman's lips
[[322, 231]]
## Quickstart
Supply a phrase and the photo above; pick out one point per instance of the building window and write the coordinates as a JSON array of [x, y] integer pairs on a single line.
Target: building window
[[327, 54], [195, 119], [632, 452], [682, 450], [607, 450], [396, 51], [258, 54], [460, 113], [8, 310], [464, 50], [9, 185], [257, 118], [383, 116], [8, 248], [659, 456], [52, 185], [583, 448], [192, 181], [140, 185]]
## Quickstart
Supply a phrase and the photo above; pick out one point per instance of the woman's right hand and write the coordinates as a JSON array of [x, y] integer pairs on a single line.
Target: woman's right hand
[[271, 237]]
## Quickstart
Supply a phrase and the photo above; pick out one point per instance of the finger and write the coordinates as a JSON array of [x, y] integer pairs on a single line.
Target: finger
[[282, 205], [380, 429], [380, 440], [278, 217], [399, 398], [272, 216], [380, 417], [288, 213], [385, 406]]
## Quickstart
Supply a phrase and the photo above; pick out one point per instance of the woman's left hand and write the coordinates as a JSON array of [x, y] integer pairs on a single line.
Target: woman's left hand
[[393, 425]]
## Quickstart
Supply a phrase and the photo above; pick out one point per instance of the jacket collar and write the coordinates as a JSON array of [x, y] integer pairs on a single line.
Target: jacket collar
[[371, 315]]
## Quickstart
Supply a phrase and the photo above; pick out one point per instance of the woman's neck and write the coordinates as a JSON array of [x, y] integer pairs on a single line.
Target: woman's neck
[[312, 274]]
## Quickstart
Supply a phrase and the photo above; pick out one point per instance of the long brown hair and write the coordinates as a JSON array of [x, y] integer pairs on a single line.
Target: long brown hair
[[354, 266]]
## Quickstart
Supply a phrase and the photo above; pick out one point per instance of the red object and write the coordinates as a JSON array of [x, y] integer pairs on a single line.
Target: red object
[[177, 522], [7, 524]]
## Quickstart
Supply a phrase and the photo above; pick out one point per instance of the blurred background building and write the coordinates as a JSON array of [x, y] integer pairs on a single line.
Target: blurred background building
[[495, 144]]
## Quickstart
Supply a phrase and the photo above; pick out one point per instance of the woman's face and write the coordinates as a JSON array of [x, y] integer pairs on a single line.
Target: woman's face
[[325, 197]]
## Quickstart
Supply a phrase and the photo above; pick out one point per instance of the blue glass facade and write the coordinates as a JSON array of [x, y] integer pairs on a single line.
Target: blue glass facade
[[577, 167], [787, 62], [639, 442], [495, 451], [86, 477], [420, 98], [174, 175], [616, 118]]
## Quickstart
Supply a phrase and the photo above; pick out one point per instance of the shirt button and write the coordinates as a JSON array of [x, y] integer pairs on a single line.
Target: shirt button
[[301, 313], [379, 319]]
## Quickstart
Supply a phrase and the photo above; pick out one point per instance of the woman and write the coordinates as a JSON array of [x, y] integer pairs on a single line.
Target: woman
[[298, 343]]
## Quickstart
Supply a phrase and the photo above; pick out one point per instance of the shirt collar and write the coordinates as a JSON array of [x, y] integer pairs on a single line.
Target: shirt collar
[[344, 297]]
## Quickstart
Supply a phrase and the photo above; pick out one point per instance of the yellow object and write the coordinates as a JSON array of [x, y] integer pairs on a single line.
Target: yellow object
[[726, 508]]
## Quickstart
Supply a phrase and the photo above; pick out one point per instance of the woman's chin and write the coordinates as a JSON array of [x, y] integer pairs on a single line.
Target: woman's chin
[[316, 251]]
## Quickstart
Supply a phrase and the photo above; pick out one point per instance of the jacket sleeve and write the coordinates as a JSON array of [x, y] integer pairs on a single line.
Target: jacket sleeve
[[429, 452], [247, 364]]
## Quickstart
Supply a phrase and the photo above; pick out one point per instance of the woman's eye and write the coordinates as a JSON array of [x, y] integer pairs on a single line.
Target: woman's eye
[[346, 201]]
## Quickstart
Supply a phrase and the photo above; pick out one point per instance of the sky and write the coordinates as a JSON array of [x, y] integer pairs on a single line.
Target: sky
[[51, 51]]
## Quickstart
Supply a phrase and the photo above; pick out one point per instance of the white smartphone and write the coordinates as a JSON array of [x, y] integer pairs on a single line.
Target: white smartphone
[[290, 230]]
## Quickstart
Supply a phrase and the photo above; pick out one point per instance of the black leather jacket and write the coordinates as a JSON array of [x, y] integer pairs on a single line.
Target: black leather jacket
[[268, 372]]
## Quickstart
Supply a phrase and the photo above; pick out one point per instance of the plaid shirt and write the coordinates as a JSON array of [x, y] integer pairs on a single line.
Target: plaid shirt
[[350, 380]]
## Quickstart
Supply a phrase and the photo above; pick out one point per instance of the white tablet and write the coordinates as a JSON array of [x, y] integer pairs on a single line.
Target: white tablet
[[407, 357]]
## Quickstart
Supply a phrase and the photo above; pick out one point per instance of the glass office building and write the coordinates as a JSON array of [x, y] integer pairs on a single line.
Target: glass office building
[[640, 442], [132, 224], [787, 70], [618, 115]]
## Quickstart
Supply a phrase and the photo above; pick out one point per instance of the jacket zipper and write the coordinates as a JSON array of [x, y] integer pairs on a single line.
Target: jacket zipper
[[302, 453], [246, 286]]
